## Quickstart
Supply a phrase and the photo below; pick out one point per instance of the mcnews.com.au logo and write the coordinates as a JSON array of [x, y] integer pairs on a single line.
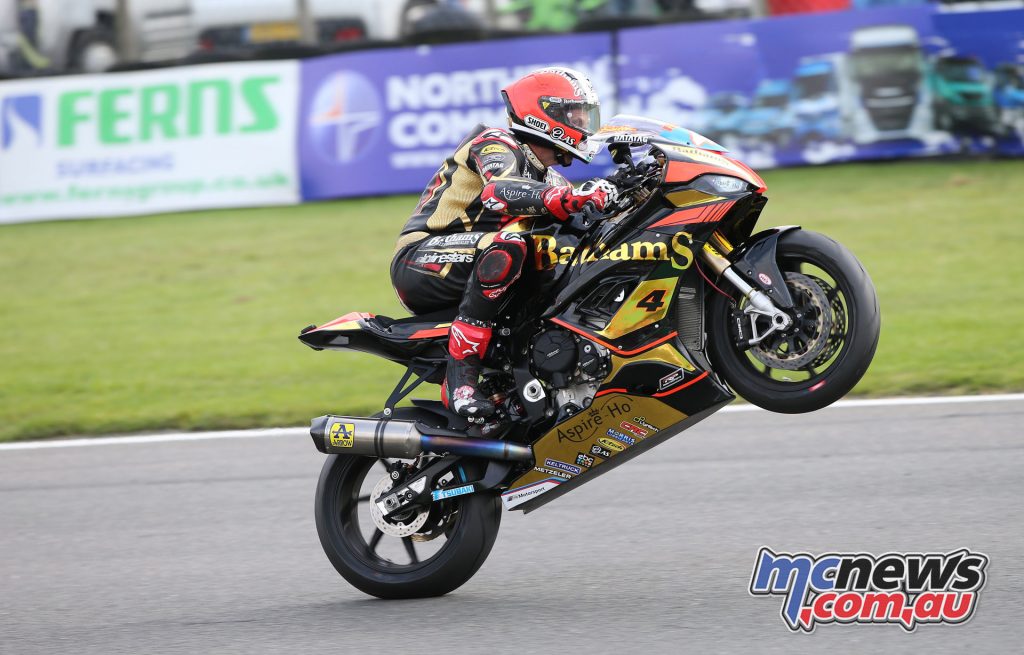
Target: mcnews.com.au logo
[[907, 589]]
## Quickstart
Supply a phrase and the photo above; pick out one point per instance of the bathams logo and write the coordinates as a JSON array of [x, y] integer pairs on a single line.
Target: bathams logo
[[344, 116], [21, 121]]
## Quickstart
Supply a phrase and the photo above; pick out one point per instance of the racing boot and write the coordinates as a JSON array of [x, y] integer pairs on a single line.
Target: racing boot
[[467, 345]]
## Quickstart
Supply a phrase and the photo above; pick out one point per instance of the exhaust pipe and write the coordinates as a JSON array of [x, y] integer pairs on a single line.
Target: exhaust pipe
[[346, 435]]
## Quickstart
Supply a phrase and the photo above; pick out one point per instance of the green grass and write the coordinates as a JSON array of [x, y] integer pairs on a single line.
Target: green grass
[[189, 320]]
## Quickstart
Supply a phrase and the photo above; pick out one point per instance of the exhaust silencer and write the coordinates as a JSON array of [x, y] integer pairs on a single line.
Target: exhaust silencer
[[346, 435]]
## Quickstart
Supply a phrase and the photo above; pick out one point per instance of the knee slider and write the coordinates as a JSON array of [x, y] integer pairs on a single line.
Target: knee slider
[[494, 267]]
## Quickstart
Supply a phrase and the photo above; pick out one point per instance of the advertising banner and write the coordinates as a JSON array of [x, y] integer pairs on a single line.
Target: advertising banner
[[382, 121], [840, 86], [134, 143]]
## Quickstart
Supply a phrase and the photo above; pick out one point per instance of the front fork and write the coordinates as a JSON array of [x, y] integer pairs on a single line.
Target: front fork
[[758, 303]]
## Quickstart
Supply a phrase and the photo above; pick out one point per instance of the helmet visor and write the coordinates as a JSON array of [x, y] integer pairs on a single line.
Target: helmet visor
[[582, 116]]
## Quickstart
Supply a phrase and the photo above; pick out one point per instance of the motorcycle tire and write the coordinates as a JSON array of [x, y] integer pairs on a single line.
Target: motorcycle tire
[[469, 537], [850, 292]]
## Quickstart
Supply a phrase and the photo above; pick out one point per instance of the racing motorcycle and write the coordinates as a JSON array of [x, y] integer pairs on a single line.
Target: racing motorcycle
[[632, 326]]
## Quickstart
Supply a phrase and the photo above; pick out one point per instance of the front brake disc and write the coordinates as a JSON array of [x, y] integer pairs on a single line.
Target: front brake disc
[[809, 335]]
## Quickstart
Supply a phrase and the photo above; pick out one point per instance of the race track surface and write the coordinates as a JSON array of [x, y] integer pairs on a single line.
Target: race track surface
[[209, 546]]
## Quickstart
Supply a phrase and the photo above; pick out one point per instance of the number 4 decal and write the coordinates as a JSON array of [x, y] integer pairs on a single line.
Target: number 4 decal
[[653, 301]]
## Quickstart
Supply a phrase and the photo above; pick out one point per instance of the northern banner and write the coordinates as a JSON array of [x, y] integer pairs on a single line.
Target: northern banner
[[382, 121]]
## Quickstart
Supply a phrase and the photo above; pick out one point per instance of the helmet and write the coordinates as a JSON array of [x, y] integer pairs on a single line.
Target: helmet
[[557, 106]]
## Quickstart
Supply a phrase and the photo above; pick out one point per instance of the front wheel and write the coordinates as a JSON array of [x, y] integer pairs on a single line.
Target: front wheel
[[830, 344], [427, 553]]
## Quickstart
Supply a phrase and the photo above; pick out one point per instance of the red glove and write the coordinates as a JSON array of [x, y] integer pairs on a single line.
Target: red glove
[[561, 201]]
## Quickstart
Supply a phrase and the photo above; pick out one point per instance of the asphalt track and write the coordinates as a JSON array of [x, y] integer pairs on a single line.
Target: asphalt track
[[209, 546]]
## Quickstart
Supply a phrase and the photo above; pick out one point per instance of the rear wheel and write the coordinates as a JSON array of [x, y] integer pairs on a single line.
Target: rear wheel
[[836, 325], [425, 553]]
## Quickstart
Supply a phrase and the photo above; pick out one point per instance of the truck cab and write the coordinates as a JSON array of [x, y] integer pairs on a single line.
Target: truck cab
[[887, 65], [817, 99], [964, 97], [769, 118]]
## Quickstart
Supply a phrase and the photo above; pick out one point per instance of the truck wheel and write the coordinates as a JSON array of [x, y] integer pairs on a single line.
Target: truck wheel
[[93, 51]]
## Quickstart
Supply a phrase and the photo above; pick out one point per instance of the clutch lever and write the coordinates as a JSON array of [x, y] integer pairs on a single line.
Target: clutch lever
[[582, 221]]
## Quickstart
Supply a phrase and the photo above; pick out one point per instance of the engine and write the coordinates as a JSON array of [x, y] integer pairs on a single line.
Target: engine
[[570, 365]]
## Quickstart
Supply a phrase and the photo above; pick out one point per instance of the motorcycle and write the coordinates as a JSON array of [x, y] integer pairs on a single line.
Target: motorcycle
[[630, 327]]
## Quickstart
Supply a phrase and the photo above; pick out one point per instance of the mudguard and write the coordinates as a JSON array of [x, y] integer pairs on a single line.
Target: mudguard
[[755, 260]]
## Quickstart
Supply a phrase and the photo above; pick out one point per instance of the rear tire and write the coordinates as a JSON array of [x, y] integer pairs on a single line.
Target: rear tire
[[469, 529], [854, 327]]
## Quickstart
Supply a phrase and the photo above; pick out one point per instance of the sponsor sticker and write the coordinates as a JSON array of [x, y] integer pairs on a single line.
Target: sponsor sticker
[[464, 239], [494, 148], [908, 589], [633, 429], [624, 438], [671, 380], [445, 258], [548, 471], [441, 494], [342, 434], [611, 444], [765, 280], [537, 123], [562, 466], [600, 452], [641, 421], [584, 460], [559, 133], [520, 495]]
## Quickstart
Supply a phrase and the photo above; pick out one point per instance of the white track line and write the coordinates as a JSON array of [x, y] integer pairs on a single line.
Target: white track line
[[302, 431]]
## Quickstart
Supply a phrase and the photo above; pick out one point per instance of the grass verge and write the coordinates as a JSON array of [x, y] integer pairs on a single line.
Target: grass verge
[[188, 321]]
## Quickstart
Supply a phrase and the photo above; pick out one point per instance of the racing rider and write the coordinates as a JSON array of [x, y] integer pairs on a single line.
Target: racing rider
[[457, 248]]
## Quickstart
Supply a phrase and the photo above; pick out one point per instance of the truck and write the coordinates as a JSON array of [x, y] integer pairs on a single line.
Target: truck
[[821, 99], [93, 36], [769, 118], [964, 97], [893, 100]]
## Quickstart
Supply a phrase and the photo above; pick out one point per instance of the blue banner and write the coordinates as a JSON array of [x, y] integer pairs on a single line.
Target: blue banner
[[816, 88], [809, 89], [382, 121]]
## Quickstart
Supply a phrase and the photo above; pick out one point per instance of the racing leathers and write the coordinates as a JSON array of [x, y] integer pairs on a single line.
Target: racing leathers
[[457, 247]]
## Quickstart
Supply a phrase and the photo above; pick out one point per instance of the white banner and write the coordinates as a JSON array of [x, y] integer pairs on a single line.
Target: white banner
[[161, 140]]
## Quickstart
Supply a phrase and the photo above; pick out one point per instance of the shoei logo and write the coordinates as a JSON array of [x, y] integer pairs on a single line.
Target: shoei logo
[[21, 122], [344, 117], [342, 434]]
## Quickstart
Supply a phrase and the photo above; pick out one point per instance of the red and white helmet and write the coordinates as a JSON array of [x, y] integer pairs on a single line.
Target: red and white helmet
[[556, 105]]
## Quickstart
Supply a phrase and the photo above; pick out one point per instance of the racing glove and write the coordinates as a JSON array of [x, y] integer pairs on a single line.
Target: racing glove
[[561, 201]]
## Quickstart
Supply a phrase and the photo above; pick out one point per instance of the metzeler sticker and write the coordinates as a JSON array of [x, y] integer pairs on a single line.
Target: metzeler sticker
[[549, 471]]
